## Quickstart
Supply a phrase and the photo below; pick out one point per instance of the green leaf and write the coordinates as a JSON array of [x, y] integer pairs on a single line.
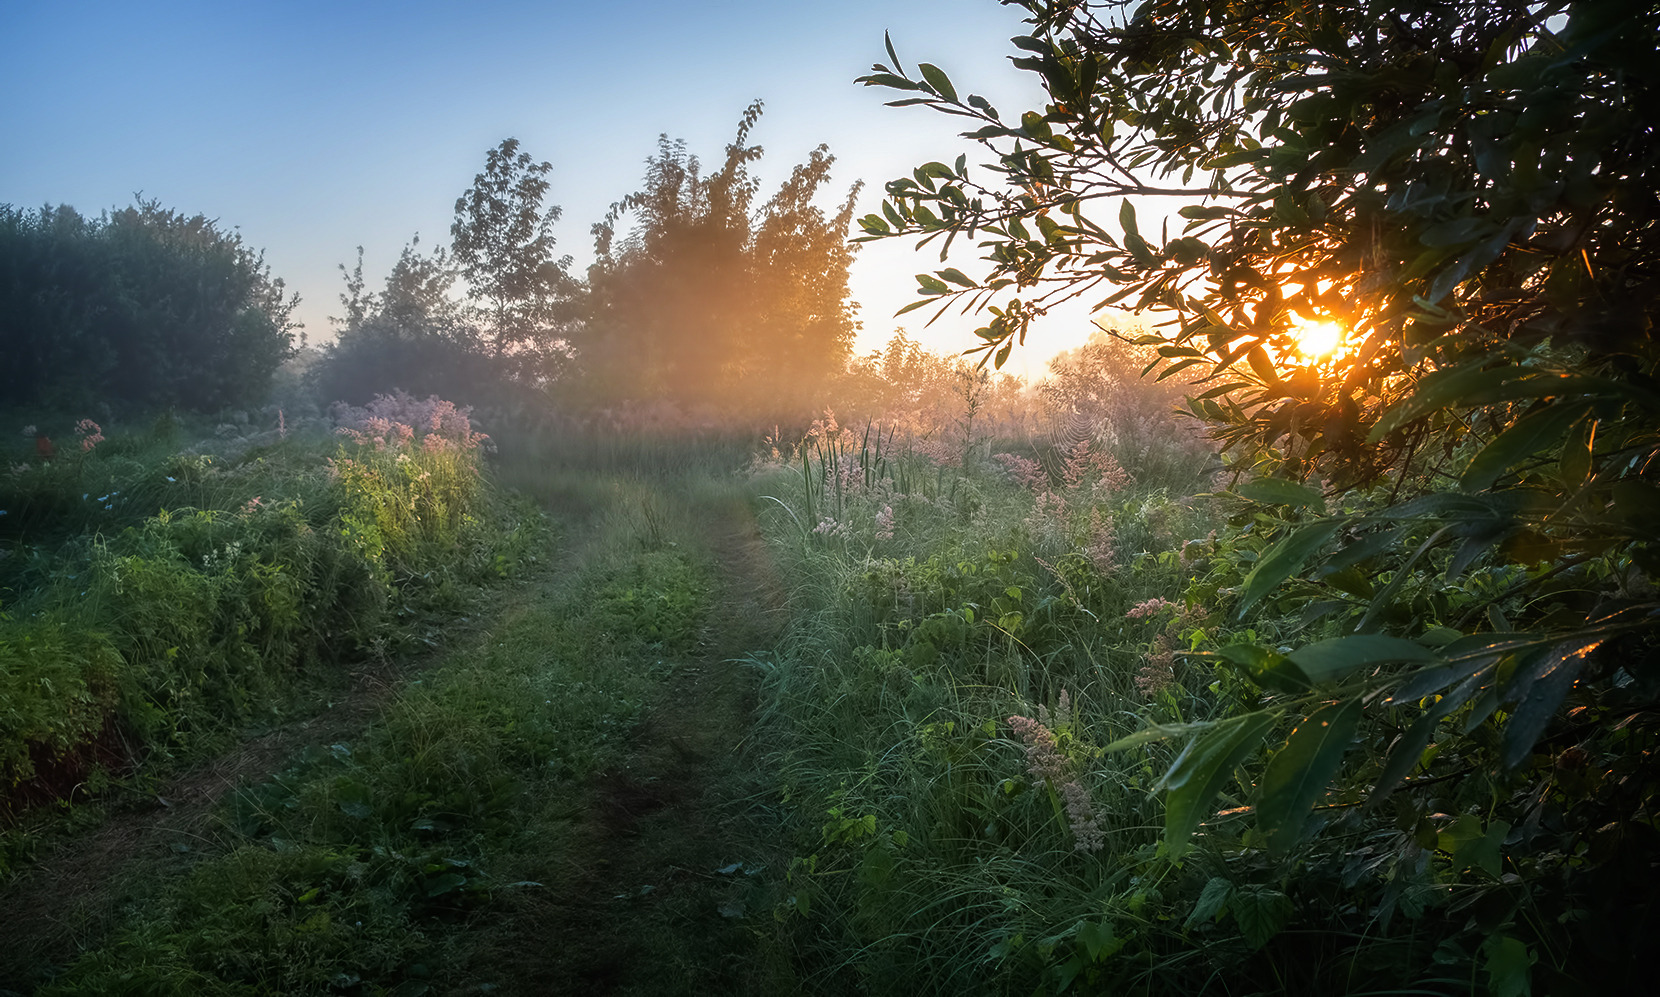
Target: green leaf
[[956, 276], [939, 81], [1285, 559], [1279, 491], [1126, 218], [893, 56], [1331, 659], [1509, 966], [1210, 903], [931, 284], [1299, 772], [1408, 749], [1268, 669], [1530, 434], [1260, 912], [1471, 847], [1201, 770], [1541, 693], [1156, 732]]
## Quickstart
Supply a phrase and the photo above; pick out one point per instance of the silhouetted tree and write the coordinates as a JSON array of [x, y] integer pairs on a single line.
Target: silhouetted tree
[[502, 243]]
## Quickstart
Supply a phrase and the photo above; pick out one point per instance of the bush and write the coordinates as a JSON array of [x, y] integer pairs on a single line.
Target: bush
[[144, 307]]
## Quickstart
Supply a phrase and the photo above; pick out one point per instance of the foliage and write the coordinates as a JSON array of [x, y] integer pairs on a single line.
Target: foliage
[[141, 307], [1467, 189], [709, 298], [153, 632]]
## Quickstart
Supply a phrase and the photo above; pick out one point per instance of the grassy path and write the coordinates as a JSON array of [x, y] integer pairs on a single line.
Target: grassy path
[[561, 802]]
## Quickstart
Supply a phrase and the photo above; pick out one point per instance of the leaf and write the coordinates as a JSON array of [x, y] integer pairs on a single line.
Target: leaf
[[1126, 218], [1409, 747], [1156, 732], [1268, 669], [1509, 966], [1258, 359], [1469, 386], [1098, 941], [1210, 903], [1298, 773], [956, 276], [939, 81], [1260, 912], [931, 284], [1201, 770], [1546, 685], [1279, 491], [1331, 659], [1285, 559], [1530, 434]]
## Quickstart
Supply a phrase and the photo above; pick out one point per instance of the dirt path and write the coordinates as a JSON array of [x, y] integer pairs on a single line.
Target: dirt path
[[676, 851]]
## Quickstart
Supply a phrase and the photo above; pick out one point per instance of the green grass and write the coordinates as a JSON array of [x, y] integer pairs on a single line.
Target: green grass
[[371, 865]]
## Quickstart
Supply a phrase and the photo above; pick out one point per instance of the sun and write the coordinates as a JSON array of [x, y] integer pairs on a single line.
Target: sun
[[1319, 339]]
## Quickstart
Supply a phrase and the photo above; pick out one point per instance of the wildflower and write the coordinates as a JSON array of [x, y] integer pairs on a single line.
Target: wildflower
[[830, 528], [1102, 548], [282, 426], [171, 479], [1078, 464], [90, 433], [1158, 671], [884, 523], [30, 431], [1043, 753], [1086, 829], [1152, 607], [1026, 471]]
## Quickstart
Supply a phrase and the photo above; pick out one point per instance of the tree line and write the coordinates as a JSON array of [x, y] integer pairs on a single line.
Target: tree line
[[702, 291]]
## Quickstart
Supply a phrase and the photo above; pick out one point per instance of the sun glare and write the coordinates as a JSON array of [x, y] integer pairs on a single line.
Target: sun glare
[[1317, 340]]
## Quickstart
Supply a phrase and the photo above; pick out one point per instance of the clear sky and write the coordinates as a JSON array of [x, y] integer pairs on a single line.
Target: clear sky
[[318, 127]]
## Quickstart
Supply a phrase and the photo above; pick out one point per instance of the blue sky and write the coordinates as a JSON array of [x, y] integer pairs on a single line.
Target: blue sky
[[316, 128]]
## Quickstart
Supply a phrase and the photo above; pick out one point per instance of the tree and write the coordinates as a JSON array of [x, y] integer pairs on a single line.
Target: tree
[[1468, 190], [708, 298], [416, 335], [141, 307], [502, 241]]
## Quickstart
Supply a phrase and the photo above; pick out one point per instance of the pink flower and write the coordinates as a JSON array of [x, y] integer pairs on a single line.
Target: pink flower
[[91, 434], [1152, 607], [1024, 470], [884, 523]]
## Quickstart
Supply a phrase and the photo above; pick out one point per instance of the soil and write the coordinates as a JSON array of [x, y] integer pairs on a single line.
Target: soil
[[668, 860]]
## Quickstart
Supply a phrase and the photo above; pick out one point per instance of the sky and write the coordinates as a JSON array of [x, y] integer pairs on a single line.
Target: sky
[[315, 128]]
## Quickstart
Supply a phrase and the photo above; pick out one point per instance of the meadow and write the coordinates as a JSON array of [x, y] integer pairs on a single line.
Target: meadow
[[908, 702]]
